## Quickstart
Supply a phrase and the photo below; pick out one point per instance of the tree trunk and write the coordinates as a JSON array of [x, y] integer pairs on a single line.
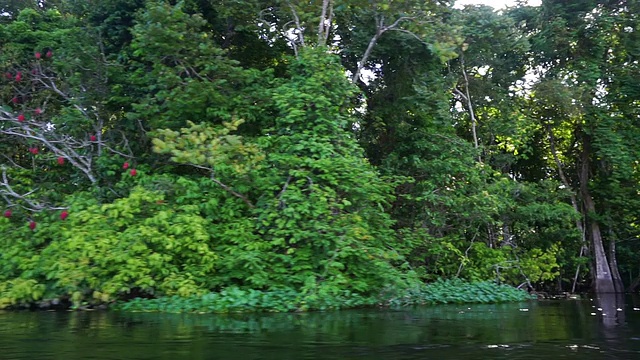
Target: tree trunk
[[602, 279], [613, 264], [325, 24]]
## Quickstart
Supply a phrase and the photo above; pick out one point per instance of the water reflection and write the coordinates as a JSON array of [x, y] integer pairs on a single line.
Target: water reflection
[[515, 331], [612, 309], [615, 329]]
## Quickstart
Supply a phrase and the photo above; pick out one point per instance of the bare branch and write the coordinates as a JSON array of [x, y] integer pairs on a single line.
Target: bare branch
[[410, 33], [398, 21], [50, 84], [13, 163], [380, 30], [65, 147], [292, 41], [459, 92], [7, 193]]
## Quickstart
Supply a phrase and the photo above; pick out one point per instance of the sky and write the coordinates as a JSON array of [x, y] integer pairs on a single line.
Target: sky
[[498, 4]]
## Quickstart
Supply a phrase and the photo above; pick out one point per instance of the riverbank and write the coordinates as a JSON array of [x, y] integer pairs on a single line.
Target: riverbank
[[234, 299]]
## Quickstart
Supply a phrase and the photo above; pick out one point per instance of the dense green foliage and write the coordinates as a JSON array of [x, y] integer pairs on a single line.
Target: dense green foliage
[[220, 153]]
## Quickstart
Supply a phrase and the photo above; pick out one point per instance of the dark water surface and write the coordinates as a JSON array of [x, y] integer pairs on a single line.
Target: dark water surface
[[537, 330]]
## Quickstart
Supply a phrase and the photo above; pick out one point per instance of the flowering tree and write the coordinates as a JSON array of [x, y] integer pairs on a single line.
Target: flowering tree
[[53, 127]]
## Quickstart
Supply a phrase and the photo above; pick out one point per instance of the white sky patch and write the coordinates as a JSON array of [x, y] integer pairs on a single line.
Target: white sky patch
[[496, 4]]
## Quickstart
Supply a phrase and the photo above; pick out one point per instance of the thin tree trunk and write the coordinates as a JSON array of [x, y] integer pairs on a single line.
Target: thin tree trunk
[[613, 264], [634, 285], [603, 280], [327, 29], [574, 202], [577, 274], [467, 97], [299, 27], [322, 25]]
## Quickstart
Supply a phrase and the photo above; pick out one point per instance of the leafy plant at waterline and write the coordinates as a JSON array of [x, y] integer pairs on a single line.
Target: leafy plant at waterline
[[457, 291], [234, 299]]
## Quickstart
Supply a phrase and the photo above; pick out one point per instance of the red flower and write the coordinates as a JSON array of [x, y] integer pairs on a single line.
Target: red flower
[[125, 165], [32, 225], [38, 55], [18, 76], [49, 53], [21, 117], [133, 172], [38, 111], [64, 214], [8, 75], [15, 100], [93, 138], [7, 214], [60, 160], [34, 151]]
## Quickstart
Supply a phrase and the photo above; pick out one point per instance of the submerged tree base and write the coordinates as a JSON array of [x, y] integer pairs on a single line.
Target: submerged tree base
[[288, 300]]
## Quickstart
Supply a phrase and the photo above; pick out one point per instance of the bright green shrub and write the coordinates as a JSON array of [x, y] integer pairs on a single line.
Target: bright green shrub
[[106, 251]]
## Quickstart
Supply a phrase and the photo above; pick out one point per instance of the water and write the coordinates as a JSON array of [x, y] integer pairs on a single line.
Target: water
[[538, 330]]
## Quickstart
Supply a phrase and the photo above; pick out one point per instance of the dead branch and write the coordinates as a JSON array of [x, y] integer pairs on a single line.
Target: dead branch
[[8, 193], [381, 28]]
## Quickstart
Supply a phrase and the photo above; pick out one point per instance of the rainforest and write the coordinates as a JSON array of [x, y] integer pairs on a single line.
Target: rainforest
[[294, 155]]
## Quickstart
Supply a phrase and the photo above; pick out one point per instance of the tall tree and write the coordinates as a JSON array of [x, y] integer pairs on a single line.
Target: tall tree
[[578, 51]]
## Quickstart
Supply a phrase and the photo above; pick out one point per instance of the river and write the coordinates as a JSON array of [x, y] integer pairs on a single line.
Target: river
[[537, 330]]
